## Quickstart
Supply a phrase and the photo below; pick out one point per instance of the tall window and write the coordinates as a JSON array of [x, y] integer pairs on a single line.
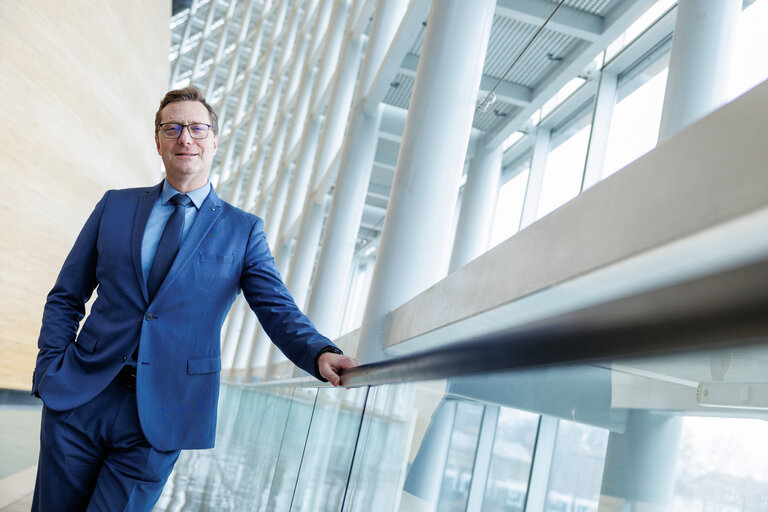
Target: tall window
[[749, 63], [509, 205], [565, 167], [636, 119]]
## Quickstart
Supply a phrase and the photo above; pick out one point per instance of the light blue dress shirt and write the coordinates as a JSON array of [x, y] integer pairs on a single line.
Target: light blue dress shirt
[[158, 217]]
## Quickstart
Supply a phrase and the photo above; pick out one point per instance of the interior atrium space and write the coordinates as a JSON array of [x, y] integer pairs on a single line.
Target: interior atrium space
[[541, 226]]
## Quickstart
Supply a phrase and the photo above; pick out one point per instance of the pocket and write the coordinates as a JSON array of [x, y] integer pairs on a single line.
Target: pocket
[[201, 365], [217, 258], [86, 341]]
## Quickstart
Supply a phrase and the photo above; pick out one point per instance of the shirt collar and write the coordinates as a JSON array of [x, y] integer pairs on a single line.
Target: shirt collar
[[197, 196]]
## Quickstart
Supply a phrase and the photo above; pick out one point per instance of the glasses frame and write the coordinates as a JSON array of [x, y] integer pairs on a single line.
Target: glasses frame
[[187, 126]]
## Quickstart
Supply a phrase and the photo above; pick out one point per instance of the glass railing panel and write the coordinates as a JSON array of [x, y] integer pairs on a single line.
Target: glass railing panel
[[510, 465], [577, 467], [329, 450], [233, 475], [460, 462], [392, 415], [286, 466]]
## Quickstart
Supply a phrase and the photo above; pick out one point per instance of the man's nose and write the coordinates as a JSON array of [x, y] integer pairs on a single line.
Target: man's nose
[[184, 136]]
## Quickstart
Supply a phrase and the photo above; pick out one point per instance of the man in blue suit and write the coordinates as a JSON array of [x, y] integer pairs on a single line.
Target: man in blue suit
[[140, 381]]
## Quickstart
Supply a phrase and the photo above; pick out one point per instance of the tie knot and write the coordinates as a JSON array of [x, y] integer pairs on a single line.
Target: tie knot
[[181, 200]]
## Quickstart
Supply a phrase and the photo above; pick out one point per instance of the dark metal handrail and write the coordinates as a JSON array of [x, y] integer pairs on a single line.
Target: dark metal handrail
[[726, 308]]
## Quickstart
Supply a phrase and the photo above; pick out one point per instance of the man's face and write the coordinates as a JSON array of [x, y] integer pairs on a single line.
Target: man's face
[[187, 161]]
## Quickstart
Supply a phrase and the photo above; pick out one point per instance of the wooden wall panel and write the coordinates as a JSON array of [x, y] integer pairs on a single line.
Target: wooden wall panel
[[79, 84]]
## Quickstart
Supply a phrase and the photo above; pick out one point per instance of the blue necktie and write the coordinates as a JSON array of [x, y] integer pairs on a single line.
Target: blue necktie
[[168, 246]]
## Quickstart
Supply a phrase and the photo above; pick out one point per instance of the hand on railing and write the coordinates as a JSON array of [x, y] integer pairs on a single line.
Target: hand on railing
[[330, 365]]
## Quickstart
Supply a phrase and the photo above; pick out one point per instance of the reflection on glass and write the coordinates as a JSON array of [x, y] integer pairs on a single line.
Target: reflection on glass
[[328, 453], [722, 465], [510, 466], [278, 495], [577, 468], [461, 457], [381, 458], [680, 433]]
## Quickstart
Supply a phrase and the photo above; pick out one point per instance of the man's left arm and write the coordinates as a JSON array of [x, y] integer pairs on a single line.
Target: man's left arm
[[282, 320]]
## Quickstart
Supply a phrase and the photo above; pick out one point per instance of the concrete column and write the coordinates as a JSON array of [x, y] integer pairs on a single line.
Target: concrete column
[[325, 304], [640, 464], [601, 128], [698, 63], [416, 230], [478, 206], [535, 177]]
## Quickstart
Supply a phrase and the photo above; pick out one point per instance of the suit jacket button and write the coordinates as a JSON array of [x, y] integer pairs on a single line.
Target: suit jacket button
[[149, 316], [125, 358]]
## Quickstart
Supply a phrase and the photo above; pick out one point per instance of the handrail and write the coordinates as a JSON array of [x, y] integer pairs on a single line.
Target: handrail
[[726, 308]]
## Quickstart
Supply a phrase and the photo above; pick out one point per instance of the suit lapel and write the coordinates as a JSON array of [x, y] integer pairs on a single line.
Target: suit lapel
[[209, 212], [143, 209]]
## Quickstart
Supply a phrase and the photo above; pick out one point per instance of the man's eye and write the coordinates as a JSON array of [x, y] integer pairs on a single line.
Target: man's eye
[[199, 128]]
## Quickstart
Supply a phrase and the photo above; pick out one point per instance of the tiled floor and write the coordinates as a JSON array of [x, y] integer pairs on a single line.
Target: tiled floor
[[16, 491], [19, 444]]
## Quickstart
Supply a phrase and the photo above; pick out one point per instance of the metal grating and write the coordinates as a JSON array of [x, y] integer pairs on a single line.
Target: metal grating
[[496, 114], [400, 90], [597, 7]]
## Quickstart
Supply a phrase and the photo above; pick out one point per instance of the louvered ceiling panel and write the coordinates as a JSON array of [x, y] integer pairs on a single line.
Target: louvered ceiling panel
[[598, 7], [400, 95]]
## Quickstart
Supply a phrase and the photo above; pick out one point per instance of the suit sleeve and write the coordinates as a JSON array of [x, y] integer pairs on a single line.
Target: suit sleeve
[[65, 305], [281, 318]]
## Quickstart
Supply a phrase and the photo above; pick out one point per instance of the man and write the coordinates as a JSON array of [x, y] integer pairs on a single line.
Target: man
[[140, 381]]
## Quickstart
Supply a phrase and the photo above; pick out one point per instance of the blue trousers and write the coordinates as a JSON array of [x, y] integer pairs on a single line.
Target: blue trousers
[[95, 458]]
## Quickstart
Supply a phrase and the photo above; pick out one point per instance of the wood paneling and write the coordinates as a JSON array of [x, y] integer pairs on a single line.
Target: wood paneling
[[79, 85]]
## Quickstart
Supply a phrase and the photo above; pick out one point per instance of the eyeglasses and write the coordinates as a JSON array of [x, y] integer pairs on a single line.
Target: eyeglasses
[[173, 130]]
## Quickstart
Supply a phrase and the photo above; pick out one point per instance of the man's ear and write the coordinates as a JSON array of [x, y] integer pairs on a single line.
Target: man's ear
[[157, 144], [215, 143]]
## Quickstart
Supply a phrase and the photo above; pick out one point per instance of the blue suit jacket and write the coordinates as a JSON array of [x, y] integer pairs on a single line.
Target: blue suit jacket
[[178, 332]]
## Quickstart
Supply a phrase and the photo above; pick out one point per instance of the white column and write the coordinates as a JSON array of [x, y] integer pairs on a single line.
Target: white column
[[326, 301], [478, 205], [601, 128], [245, 341], [416, 231], [425, 476], [330, 141], [301, 176], [299, 272], [535, 177], [641, 464], [541, 465], [234, 326], [698, 62]]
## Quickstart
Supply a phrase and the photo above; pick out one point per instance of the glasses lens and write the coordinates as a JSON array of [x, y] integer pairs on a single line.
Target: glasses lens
[[170, 130], [198, 130]]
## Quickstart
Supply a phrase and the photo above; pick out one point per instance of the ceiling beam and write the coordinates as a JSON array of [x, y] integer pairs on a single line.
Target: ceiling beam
[[616, 22], [508, 92], [567, 20]]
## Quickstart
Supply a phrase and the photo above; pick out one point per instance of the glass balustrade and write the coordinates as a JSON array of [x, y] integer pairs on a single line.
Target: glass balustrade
[[683, 433]]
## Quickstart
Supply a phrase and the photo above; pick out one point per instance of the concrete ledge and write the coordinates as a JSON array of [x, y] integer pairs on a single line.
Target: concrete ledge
[[695, 204]]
